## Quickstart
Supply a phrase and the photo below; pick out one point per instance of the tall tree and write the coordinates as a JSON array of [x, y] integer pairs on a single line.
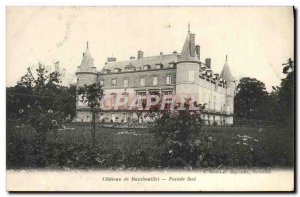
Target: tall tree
[[250, 99], [286, 93], [41, 83], [92, 95], [34, 99]]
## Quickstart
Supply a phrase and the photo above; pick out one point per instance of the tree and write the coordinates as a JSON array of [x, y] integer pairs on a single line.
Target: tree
[[67, 101], [250, 99], [41, 83], [286, 94], [33, 100], [91, 95]]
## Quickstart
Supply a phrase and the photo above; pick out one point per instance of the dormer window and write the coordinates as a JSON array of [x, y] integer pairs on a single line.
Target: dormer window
[[158, 66], [146, 67], [172, 65], [105, 71], [129, 68], [216, 76], [117, 70], [208, 73]]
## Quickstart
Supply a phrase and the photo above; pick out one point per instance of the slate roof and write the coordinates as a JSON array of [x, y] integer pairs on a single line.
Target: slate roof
[[188, 52], [151, 60], [226, 73], [87, 62]]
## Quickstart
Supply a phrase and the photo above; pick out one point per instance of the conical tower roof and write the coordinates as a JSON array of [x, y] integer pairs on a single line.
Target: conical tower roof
[[188, 52], [87, 61], [226, 73]]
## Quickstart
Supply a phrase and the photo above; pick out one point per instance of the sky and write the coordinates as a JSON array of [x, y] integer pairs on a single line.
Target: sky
[[257, 40]]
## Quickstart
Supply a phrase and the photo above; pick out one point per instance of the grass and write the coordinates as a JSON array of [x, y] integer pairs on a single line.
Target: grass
[[255, 147]]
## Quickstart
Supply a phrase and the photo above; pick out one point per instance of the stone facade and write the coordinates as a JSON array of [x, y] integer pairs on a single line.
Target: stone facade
[[171, 74]]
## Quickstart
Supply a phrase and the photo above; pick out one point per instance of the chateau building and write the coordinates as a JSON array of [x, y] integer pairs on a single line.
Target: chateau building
[[173, 74]]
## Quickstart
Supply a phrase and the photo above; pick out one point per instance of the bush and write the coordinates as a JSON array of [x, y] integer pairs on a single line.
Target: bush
[[179, 134]]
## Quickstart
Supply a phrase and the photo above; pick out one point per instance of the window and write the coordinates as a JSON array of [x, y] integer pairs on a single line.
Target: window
[[114, 82], [191, 75], [146, 67], [142, 81], [141, 93], [101, 82], [125, 117], [168, 80], [125, 82], [214, 102], [154, 81], [113, 117], [167, 92]]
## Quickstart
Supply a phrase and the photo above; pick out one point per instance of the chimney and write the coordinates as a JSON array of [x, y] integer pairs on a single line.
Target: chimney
[[132, 58], [161, 53], [140, 54], [111, 59], [192, 45], [208, 62], [198, 50], [174, 52]]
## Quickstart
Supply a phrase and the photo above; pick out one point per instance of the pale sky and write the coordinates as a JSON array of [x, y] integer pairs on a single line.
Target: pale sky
[[257, 40]]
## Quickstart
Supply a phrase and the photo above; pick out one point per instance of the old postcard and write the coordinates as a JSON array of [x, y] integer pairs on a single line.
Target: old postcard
[[150, 99]]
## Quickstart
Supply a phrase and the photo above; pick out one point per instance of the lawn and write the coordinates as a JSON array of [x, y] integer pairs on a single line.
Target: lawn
[[137, 148]]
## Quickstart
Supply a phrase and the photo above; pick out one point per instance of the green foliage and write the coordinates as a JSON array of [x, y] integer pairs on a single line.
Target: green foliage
[[41, 84], [115, 149], [91, 95], [286, 93], [250, 99], [253, 102], [33, 99], [175, 132]]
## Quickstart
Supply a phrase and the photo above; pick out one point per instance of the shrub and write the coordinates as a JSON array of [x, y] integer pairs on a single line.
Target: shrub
[[179, 135]]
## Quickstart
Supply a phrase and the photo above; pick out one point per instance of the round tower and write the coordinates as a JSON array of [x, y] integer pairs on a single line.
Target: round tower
[[187, 71], [86, 72], [230, 90], [86, 75]]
